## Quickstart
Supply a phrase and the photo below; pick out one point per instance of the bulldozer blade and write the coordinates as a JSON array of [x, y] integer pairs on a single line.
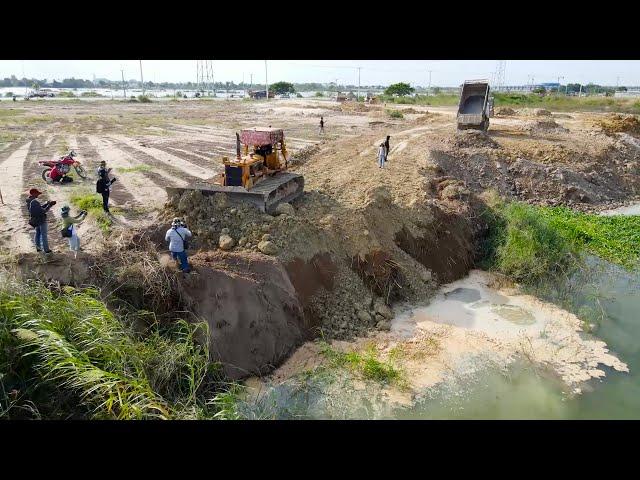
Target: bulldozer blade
[[266, 195]]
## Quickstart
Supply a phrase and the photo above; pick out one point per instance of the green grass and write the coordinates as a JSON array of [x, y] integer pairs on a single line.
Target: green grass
[[395, 114], [567, 103], [66, 94], [529, 243], [63, 354], [613, 238], [144, 99], [92, 203], [11, 112], [91, 94], [137, 168], [368, 364]]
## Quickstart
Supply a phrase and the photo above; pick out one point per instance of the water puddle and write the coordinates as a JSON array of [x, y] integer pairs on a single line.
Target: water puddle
[[480, 349]]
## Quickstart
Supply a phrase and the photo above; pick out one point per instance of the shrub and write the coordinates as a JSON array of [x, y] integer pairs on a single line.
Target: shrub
[[144, 99], [395, 114]]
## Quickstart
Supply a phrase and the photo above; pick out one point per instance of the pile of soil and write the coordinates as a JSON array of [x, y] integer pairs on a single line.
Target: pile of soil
[[428, 117], [541, 112], [472, 139], [505, 112], [302, 155], [254, 315], [620, 123], [545, 126]]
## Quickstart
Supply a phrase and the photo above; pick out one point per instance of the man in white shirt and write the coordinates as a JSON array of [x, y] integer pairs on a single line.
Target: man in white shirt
[[177, 236]]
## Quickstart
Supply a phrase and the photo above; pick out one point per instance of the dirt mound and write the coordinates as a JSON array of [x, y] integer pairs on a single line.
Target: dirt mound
[[505, 112], [541, 112], [545, 126], [302, 155], [473, 139], [409, 110], [251, 307], [428, 117], [620, 123]]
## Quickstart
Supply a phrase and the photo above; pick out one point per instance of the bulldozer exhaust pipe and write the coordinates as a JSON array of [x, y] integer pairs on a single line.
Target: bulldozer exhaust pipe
[[238, 144]]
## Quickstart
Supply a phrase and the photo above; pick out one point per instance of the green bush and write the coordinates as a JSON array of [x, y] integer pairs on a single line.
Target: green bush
[[144, 99], [8, 94], [528, 242], [525, 245], [395, 114], [66, 94], [319, 94], [90, 94]]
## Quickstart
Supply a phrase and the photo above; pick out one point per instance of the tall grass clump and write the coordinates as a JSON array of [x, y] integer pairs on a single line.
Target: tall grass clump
[[525, 245], [144, 99], [65, 355]]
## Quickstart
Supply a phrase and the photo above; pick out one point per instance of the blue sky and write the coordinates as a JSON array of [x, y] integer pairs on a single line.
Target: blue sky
[[373, 72]]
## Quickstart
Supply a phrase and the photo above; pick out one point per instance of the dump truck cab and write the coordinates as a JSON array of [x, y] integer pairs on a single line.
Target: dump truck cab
[[474, 106]]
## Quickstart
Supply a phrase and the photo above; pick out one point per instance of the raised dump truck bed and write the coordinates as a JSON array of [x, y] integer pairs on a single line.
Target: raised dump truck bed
[[280, 188], [474, 107]]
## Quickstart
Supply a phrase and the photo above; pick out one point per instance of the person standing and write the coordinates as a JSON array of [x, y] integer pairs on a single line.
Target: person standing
[[103, 185], [386, 146], [382, 155], [69, 228], [38, 219], [177, 236], [321, 130]]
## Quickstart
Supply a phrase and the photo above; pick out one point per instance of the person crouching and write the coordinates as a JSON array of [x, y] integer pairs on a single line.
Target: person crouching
[[69, 228], [177, 237]]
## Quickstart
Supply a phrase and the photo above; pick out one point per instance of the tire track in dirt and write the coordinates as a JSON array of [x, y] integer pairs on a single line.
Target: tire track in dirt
[[142, 186], [198, 159], [164, 173], [184, 168], [14, 228], [119, 194]]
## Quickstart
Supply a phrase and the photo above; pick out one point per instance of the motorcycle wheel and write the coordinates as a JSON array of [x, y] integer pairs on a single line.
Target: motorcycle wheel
[[82, 173], [46, 175]]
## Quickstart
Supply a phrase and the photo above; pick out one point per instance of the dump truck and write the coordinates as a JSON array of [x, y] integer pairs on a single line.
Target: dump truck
[[257, 174], [475, 105]]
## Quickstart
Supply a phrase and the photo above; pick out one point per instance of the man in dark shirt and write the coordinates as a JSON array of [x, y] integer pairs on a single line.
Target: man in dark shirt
[[104, 185], [38, 219], [386, 146], [321, 126]]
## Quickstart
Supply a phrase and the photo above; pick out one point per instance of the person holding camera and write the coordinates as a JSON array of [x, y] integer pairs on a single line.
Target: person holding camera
[[103, 185], [38, 219], [178, 236], [69, 228]]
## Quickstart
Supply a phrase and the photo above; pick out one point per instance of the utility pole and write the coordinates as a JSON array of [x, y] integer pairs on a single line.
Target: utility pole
[[429, 88], [359, 83], [266, 81], [141, 77], [559, 83], [124, 89], [25, 80], [243, 92]]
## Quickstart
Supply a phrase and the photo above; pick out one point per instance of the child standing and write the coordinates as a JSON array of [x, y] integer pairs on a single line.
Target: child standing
[[69, 228]]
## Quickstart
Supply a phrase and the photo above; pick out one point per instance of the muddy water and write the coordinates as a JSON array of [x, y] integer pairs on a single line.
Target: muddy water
[[477, 383]]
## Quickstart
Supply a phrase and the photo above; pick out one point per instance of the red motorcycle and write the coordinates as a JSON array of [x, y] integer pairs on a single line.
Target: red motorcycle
[[57, 170]]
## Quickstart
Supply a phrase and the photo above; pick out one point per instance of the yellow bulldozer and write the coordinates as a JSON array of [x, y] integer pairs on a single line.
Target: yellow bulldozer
[[258, 173]]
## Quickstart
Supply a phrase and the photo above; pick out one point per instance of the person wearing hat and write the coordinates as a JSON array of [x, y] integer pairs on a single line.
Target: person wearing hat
[[68, 225], [38, 219], [103, 185], [177, 236]]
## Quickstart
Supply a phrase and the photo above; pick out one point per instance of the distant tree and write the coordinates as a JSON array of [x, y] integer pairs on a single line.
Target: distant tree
[[436, 90], [282, 87], [541, 90], [621, 89], [399, 89]]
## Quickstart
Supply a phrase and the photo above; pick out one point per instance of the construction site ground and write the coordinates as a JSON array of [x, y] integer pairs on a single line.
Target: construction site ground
[[360, 237]]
